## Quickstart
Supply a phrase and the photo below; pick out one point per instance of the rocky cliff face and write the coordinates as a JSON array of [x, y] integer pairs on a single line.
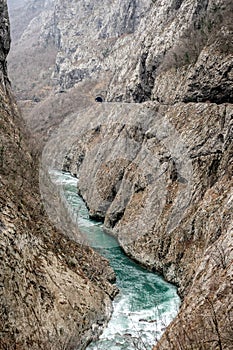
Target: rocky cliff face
[[158, 173], [28, 56], [54, 293], [89, 33], [184, 53], [4, 41], [67, 45]]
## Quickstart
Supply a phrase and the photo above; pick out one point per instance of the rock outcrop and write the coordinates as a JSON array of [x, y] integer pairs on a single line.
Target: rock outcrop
[[66, 45], [89, 33], [184, 53], [155, 161], [54, 294], [4, 41]]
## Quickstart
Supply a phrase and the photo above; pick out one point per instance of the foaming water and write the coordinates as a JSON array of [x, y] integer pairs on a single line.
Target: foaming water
[[146, 303]]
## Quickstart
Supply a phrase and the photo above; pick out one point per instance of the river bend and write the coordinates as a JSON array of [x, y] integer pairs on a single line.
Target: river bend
[[146, 303]]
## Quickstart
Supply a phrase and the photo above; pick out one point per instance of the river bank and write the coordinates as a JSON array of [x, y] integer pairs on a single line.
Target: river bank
[[145, 305]]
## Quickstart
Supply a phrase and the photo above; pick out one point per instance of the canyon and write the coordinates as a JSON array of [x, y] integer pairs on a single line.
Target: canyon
[[51, 297], [154, 160]]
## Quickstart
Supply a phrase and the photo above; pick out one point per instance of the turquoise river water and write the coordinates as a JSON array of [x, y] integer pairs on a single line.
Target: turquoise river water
[[145, 305]]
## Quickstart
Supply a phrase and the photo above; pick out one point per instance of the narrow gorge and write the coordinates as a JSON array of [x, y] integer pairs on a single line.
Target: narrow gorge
[[153, 161], [51, 297]]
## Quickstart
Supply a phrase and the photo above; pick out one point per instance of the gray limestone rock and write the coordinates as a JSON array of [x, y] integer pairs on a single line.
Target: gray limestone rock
[[158, 173], [53, 291], [4, 39]]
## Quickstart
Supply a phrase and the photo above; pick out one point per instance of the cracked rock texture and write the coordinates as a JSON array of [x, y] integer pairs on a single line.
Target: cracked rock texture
[[54, 294], [83, 52], [66, 44], [155, 161], [4, 40], [184, 53], [160, 177]]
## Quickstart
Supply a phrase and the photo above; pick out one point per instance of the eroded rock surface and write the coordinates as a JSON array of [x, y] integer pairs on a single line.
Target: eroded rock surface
[[158, 173], [54, 294], [182, 53], [66, 44], [161, 180], [145, 172]]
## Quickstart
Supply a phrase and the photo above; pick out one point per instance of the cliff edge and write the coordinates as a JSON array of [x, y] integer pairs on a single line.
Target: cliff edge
[[50, 296], [155, 159]]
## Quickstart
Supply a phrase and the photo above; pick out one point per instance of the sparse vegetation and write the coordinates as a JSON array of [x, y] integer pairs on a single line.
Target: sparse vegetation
[[28, 243], [209, 325], [210, 28]]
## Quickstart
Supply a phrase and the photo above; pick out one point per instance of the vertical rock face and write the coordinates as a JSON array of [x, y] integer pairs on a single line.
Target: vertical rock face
[[164, 42], [89, 32], [50, 297], [4, 39], [183, 53], [158, 173], [84, 35], [25, 13], [67, 44], [29, 56]]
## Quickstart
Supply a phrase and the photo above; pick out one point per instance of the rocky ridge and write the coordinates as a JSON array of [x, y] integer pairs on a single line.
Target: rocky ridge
[[61, 53], [84, 53], [159, 173], [55, 294], [184, 53]]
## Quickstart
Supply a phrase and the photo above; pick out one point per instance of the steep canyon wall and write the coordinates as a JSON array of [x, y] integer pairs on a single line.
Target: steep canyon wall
[[154, 160], [50, 297]]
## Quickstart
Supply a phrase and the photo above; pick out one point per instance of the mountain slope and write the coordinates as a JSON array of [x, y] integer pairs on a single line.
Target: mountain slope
[[155, 161], [49, 296]]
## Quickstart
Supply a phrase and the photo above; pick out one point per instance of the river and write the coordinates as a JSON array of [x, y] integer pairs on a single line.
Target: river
[[146, 303]]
